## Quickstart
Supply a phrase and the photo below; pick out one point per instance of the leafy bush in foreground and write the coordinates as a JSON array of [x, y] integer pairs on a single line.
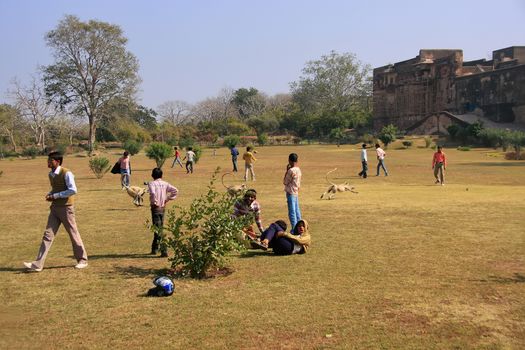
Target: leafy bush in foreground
[[202, 235]]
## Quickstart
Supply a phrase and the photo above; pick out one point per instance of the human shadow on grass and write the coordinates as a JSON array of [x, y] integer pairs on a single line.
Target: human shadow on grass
[[122, 256], [516, 278], [255, 252], [25, 270], [503, 164]]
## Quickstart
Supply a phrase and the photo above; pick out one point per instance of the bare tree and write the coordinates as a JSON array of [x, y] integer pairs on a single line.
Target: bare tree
[[34, 108], [175, 112]]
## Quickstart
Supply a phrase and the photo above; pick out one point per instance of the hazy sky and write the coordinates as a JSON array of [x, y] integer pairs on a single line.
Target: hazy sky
[[189, 50]]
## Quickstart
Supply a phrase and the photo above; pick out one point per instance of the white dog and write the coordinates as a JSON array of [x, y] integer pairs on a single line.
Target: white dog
[[333, 188], [136, 193], [233, 190]]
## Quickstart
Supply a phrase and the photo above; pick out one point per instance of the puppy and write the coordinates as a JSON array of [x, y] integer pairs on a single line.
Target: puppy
[[136, 193], [333, 188], [233, 190]]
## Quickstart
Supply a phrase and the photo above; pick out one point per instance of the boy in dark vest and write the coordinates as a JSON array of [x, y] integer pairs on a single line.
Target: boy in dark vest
[[61, 196]]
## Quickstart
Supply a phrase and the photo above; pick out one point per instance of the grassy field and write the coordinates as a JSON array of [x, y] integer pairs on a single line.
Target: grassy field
[[404, 264]]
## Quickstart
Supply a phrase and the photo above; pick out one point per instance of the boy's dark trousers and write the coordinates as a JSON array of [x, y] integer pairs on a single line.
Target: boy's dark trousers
[[365, 169], [157, 218]]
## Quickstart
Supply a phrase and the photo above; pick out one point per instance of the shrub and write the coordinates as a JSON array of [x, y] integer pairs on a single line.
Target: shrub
[[231, 141], [388, 134], [407, 144], [31, 152], [198, 152], [159, 152], [463, 148], [368, 139], [262, 139], [514, 156], [133, 147], [203, 235], [428, 142], [99, 166]]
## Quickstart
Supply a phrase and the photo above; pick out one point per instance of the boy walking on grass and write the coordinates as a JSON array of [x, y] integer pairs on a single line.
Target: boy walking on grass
[[439, 164], [61, 196], [249, 160]]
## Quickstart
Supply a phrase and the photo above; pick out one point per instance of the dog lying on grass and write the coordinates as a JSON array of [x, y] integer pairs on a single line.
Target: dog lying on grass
[[333, 188], [233, 190], [136, 193]]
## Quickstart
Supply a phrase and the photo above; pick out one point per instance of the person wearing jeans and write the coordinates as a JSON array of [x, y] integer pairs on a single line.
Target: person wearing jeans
[[380, 160], [292, 183], [160, 192]]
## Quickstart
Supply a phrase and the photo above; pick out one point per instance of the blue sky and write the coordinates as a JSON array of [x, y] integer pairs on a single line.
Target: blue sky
[[190, 50]]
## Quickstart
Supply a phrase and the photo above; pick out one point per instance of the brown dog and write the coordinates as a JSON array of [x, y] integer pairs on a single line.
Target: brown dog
[[233, 190], [333, 188], [136, 193]]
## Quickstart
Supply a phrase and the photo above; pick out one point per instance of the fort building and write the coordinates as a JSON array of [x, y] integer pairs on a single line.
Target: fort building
[[426, 94]]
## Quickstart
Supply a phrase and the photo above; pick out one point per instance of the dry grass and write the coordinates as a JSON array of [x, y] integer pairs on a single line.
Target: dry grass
[[403, 264]]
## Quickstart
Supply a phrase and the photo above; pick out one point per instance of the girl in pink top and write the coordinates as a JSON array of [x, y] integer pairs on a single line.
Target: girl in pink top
[[125, 169]]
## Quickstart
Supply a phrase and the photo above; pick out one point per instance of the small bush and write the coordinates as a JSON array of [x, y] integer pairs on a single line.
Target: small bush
[[159, 152], [262, 139], [514, 156], [463, 148], [133, 147], [368, 139], [231, 141], [99, 166], [407, 144], [203, 235], [428, 142], [31, 152]]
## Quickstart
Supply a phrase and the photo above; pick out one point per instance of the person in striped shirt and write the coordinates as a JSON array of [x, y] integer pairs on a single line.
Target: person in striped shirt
[[249, 206], [160, 192]]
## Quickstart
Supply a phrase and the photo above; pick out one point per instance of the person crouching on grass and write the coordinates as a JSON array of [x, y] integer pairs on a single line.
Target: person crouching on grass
[[61, 196], [246, 206], [160, 192]]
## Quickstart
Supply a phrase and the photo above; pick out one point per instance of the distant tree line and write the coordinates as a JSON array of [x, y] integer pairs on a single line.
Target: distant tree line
[[88, 95]]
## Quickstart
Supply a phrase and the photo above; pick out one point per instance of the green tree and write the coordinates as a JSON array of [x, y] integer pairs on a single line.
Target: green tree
[[334, 84], [10, 124], [388, 134], [92, 66], [249, 102], [159, 152]]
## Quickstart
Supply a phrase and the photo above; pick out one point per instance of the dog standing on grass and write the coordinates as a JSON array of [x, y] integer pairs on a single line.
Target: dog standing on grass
[[333, 188]]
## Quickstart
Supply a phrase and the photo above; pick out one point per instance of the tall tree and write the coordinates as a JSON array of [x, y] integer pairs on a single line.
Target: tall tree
[[333, 83], [34, 107], [10, 122], [91, 67], [249, 102]]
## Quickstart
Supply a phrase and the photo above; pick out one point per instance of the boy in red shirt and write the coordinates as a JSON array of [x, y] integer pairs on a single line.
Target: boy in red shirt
[[439, 164]]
